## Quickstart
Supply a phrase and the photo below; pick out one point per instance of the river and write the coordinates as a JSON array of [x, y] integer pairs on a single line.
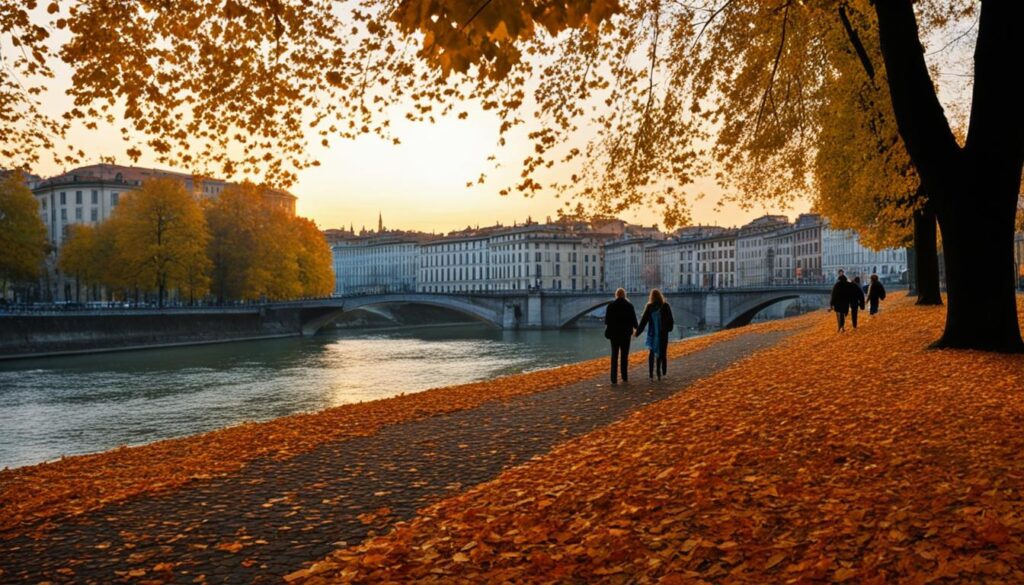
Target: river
[[84, 404]]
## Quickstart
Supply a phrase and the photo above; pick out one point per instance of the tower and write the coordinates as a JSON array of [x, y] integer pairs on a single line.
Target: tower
[[380, 223]]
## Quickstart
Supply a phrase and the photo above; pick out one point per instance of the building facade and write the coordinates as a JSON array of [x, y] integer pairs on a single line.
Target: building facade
[[625, 263], [380, 264], [755, 254], [576, 256], [454, 265], [807, 249], [842, 250]]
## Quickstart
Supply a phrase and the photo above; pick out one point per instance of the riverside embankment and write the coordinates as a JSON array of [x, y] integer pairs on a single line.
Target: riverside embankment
[[71, 332]]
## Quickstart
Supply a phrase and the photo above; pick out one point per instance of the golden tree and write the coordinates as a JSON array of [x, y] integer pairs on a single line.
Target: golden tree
[[161, 237], [260, 252], [23, 243], [78, 256], [315, 261]]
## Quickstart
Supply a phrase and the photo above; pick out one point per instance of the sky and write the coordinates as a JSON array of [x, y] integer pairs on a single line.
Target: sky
[[419, 184]]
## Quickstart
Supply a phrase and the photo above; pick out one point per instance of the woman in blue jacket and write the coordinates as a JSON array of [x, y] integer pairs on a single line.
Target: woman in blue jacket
[[658, 314]]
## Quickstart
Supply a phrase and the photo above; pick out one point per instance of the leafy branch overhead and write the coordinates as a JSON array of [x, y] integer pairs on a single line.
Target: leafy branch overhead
[[638, 99]]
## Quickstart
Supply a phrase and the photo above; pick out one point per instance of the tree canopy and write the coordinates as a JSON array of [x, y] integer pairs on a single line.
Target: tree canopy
[[639, 98], [23, 242]]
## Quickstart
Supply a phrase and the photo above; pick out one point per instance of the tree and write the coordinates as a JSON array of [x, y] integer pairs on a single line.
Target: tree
[[234, 220], [260, 252], [22, 233], [315, 261], [78, 256], [161, 237], [862, 173]]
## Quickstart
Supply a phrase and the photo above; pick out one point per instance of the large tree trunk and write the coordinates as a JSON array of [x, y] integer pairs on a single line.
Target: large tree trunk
[[926, 257], [978, 249], [974, 188], [911, 271]]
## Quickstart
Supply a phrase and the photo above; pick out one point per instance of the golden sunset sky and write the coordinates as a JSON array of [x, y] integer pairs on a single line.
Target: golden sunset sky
[[419, 184]]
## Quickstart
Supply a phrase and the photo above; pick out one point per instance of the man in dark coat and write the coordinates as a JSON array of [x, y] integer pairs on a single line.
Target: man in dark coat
[[876, 292], [841, 298], [856, 300], [620, 323]]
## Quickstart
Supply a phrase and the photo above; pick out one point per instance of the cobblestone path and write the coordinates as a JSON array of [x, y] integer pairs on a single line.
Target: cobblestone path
[[275, 517]]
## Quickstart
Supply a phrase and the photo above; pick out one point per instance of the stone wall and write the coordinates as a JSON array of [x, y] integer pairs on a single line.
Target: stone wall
[[24, 335]]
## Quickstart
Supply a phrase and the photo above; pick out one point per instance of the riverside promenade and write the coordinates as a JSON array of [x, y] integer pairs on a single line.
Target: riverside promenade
[[275, 515], [783, 452]]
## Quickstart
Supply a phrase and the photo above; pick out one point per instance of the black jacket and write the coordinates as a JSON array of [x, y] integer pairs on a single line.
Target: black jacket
[[667, 321], [842, 295], [619, 319], [856, 296], [876, 292]]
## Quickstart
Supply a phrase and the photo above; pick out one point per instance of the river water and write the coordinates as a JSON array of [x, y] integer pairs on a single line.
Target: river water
[[83, 404]]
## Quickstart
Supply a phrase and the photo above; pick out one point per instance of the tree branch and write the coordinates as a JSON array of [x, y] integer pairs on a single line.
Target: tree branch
[[775, 69], [919, 116], [858, 46]]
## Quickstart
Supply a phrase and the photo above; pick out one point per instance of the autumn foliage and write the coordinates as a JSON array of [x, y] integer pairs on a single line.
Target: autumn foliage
[[237, 246], [860, 458], [22, 233]]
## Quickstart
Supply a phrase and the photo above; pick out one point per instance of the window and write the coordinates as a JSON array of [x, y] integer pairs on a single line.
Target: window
[[78, 197], [63, 198], [95, 197], [78, 213], [114, 197], [63, 214]]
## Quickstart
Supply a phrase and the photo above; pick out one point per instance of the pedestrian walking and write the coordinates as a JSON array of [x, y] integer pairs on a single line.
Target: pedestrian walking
[[657, 314], [876, 293], [840, 300], [620, 323], [856, 300]]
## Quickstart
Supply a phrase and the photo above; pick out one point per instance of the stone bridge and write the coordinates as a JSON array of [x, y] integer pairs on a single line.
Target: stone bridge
[[732, 307]]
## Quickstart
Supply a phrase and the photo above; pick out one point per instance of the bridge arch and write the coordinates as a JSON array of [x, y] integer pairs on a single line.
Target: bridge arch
[[579, 309], [464, 306], [744, 313]]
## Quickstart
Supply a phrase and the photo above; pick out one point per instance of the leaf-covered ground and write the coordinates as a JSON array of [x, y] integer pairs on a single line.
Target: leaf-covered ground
[[31, 497], [860, 457]]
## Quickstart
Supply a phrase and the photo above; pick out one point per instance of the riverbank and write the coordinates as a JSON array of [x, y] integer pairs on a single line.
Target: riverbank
[[859, 457], [80, 333], [31, 497]]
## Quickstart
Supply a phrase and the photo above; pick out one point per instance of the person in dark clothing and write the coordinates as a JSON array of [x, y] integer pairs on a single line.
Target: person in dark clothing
[[841, 300], [620, 323], [856, 300], [657, 314], [876, 292]]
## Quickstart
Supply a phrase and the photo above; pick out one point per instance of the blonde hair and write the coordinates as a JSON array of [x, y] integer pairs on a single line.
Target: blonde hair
[[656, 297], [620, 293]]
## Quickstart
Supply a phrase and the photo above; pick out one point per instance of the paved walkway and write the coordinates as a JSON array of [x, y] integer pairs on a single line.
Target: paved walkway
[[275, 517]]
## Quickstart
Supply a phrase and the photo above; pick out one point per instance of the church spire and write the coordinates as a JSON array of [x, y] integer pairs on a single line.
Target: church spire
[[380, 223]]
